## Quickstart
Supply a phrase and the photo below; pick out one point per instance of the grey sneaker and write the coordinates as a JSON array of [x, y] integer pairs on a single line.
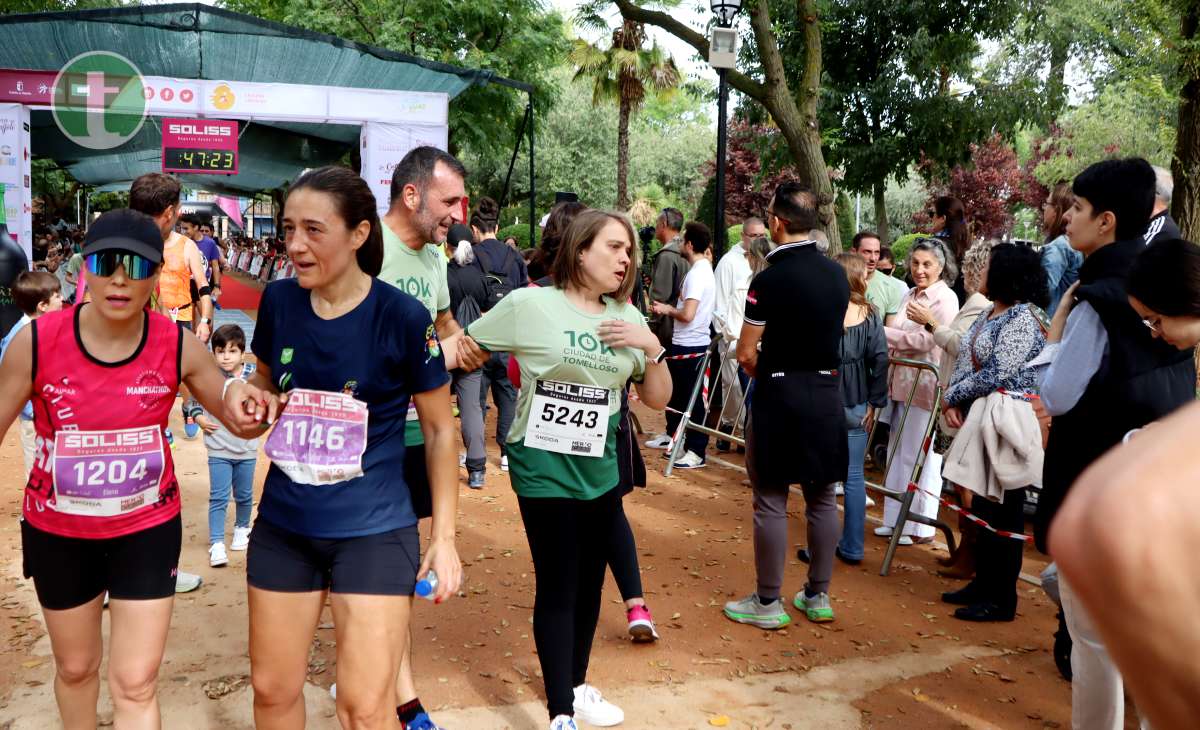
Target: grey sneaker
[[187, 582], [475, 479], [818, 608], [750, 611]]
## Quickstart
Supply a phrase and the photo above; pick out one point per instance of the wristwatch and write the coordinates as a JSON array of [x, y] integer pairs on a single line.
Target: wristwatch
[[659, 357], [205, 320], [929, 327]]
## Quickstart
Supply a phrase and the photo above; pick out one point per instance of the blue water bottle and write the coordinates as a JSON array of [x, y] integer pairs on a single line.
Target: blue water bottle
[[427, 587]]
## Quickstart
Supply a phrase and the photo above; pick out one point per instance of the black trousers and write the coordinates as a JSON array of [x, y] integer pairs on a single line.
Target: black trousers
[[570, 541], [998, 559], [623, 557], [683, 380]]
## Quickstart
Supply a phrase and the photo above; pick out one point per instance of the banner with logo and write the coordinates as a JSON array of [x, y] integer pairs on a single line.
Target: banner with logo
[[384, 145], [15, 174]]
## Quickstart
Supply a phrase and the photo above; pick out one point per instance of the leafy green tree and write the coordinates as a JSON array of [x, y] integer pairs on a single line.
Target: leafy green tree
[[901, 87], [624, 71], [518, 39]]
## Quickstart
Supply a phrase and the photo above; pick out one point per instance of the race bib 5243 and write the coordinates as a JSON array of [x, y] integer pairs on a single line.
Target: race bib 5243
[[568, 418]]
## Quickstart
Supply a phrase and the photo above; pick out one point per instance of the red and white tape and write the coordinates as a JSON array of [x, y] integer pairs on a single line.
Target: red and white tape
[[966, 513]]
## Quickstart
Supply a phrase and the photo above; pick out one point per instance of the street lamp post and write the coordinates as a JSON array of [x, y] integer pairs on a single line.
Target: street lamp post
[[722, 54]]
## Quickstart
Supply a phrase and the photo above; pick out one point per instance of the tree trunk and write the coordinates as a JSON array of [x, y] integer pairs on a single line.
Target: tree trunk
[[623, 154], [881, 216], [796, 116], [1056, 83], [1185, 164]]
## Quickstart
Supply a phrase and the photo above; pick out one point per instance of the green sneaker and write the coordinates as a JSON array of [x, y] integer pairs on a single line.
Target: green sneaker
[[818, 608], [750, 611]]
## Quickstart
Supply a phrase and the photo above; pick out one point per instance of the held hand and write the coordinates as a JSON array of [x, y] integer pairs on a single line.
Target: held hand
[[250, 408], [470, 357], [919, 313], [619, 333], [442, 557]]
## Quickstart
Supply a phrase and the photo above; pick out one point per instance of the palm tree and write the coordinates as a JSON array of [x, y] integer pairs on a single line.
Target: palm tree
[[625, 72]]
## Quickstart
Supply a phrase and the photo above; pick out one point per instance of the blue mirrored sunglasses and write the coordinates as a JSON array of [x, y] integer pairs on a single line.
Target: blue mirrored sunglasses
[[106, 263]]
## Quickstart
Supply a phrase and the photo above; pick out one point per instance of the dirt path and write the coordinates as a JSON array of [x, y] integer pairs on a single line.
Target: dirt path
[[894, 657]]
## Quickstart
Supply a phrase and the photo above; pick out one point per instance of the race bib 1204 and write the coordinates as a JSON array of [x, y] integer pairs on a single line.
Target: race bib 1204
[[107, 473], [568, 418], [320, 437]]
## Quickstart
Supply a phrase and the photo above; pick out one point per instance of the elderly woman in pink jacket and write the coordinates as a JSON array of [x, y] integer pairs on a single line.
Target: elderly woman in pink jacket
[[932, 268]]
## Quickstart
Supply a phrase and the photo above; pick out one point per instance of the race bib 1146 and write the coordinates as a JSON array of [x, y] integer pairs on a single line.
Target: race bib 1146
[[320, 437], [107, 473], [568, 418]]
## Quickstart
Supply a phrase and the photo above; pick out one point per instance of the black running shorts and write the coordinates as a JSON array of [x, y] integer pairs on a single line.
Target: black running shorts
[[383, 564], [69, 571]]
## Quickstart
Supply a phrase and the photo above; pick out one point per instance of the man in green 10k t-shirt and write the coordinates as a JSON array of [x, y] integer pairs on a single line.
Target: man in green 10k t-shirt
[[426, 199]]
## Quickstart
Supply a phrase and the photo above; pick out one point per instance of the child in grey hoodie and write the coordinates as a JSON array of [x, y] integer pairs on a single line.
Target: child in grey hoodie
[[231, 459]]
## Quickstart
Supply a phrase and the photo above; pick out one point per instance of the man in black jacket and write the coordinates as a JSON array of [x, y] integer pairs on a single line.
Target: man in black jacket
[[1103, 376], [1162, 226]]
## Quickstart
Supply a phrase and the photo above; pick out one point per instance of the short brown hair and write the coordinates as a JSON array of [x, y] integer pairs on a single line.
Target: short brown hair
[[153, 193], [580, 236], [32, 288]]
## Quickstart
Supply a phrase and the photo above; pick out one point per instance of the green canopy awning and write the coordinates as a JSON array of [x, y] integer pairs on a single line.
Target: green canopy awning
[[192, 41]]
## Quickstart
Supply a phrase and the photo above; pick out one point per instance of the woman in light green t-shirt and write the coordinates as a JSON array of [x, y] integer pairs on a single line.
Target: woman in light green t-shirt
[[578, 343]]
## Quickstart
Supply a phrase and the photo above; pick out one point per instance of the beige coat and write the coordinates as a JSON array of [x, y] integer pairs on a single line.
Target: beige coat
[[998, 448]]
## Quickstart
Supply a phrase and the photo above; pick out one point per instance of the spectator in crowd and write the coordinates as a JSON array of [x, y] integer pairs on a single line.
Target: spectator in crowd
[[467, 293], [883, 292], [191, 226], [1060, 262], [948, 336], [733, 274], [692, 314], [990, 378], [505, 272], [932, 268], [1162, 226], [511, 242], [887, 265], [666, 278], [863, 372], [1102, 374], [795, 314], [949, 223], [552, 233], [1141, 486]]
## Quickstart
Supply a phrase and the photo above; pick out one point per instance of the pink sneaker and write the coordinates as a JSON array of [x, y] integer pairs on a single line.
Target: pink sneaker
[[641, 626]]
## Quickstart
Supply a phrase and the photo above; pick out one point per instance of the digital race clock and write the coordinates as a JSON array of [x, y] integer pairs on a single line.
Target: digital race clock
[[200, 146]]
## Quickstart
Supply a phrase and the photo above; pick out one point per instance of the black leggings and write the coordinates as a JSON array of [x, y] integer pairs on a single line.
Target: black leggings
[[569, 540], [623, 557]]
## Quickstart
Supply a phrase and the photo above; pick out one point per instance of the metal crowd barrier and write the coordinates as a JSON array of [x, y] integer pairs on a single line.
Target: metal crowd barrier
[[908, 495], [700, 389]]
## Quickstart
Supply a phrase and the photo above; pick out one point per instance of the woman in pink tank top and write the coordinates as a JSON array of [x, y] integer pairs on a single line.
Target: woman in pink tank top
[[101, 507]]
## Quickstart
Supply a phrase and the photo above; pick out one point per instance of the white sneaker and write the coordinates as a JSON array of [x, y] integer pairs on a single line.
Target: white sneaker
[[216, 555], [661, 441], [187, 582], [883, 531], [333, 690], [839, 490], [690, 460], [241, 538], [870, 502], [563, 722], [504, 463], [594, 709], [904, 541], [462, 458]]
